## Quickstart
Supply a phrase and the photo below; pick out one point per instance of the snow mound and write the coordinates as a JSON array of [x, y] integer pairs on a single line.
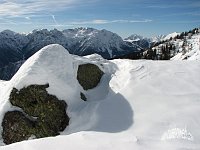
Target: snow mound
[[53, 65], [133, 107]]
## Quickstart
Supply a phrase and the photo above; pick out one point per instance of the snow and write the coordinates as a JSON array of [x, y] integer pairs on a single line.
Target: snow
[[12, 40], [177, 133], [138, 104], [171, 35], [193, 53], [99, 40], [157, 38], [134, 37]]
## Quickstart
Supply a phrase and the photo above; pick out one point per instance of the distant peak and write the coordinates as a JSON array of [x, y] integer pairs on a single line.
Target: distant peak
[[8, 32]]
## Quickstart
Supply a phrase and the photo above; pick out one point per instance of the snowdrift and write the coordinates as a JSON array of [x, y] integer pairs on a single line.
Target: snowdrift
[[137, 105]]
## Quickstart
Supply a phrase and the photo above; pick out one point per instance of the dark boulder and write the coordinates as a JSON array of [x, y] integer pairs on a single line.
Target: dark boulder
[[89, 75], [83, 97]]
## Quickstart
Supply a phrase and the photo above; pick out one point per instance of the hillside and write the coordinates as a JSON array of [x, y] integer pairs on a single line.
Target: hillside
[[135, 106], [178, 47]]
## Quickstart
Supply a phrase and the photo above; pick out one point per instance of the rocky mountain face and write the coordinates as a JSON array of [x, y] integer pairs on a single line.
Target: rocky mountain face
[[139, 40], [85, 41], [16, 47], [9, 70], [11, 47], [145, 43]]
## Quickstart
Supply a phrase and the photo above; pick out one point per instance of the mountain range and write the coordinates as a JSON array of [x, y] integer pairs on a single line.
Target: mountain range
[[16, 48], [144, 42], [79, 41]]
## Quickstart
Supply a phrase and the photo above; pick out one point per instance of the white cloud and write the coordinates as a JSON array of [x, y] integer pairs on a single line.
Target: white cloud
[[54, 19], [28, 18], [25, 7], [99, 21]]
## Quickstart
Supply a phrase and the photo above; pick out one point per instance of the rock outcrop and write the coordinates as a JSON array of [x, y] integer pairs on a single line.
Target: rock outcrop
[[89, 75], [42, 115]]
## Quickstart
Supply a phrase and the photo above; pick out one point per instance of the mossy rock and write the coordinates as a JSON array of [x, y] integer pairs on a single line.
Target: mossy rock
[[16, 127], [49, 111], [89, 76]]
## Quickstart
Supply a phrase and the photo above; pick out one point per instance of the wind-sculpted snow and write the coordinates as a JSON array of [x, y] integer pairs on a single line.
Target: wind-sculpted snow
[[177, 133]]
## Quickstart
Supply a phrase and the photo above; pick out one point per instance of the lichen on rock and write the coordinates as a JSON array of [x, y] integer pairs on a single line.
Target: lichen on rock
[[89, 75], [45, 115]]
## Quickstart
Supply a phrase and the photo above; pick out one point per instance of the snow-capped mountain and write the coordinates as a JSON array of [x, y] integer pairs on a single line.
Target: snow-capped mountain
[[16, 47], [140, 105], [40, 38], [11, 46], [88, 40], [158, 38], [80, 41], [8, 71], [145, 42], [134, 37], [139, 40], [171, 35]]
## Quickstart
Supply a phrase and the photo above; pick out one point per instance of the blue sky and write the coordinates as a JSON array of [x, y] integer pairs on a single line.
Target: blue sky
[[124, 17]]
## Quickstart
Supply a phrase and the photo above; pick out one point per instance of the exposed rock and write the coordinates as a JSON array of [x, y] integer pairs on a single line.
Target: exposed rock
[[34, 100], [16, 127], [89, 76], [83, 97]]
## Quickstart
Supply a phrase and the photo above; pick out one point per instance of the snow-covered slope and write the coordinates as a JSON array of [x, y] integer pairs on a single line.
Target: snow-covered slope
[[11, 45], [157, 38], [192, 49], [145, 43], [160, 38], [138, 105], [177, 47], [171, 35]]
